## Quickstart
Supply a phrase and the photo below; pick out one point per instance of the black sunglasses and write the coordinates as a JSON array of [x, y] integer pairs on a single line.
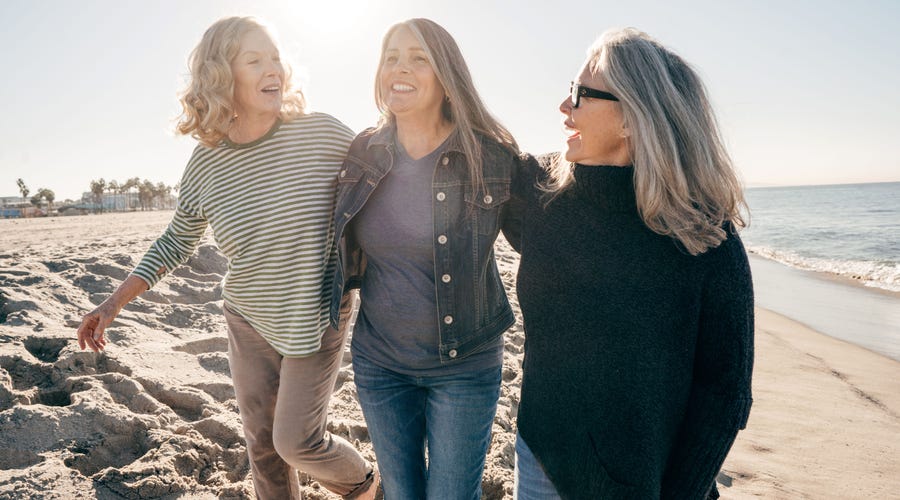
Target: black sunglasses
[[578, 91]]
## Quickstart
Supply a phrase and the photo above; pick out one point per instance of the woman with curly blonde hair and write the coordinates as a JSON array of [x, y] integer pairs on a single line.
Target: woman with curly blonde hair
[[263, 177]]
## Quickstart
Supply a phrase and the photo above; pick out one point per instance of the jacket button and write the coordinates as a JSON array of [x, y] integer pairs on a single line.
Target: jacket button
[[445, 161], [448, 319], [442, 239], [488, 199], [445, 278], [452, 353], [343, 173], [441, 196]]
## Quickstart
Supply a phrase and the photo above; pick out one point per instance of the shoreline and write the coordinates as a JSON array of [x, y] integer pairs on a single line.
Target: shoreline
[[832, 276], [832, 305]]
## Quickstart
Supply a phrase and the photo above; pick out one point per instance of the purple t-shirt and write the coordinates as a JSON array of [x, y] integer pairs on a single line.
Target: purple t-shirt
[[397, 327]]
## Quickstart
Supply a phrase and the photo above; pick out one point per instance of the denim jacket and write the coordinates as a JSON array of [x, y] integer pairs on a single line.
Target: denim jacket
[[472, 305]]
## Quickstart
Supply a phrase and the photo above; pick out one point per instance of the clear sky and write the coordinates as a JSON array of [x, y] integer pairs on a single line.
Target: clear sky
[[807, 92]]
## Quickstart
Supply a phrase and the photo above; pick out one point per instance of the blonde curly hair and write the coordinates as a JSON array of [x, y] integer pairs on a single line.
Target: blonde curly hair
[[208, 100]]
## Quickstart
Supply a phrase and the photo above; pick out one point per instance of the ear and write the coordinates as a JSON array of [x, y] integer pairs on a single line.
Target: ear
[[625, 133]]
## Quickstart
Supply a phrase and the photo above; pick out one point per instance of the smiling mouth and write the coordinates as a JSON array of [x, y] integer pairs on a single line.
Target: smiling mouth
[[402, 87], [272, 89]]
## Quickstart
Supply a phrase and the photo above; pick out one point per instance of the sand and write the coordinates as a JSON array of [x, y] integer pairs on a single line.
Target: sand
[[155, 416]]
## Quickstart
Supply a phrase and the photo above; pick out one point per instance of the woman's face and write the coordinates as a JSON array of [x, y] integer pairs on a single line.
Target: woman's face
[[409, 87], [258, 76], [595, 130]]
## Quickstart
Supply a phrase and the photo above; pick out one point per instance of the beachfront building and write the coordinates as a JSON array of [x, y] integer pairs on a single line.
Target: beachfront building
[[12, 207]]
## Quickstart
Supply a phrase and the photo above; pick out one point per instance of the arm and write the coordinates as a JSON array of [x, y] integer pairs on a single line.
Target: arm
[[720, 396], [90, 333], [175, 246], [524, 173]]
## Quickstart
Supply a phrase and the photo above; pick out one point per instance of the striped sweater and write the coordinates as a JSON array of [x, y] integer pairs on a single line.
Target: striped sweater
[[270, 204]]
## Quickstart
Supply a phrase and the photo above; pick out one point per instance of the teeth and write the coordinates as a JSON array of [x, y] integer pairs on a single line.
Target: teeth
[[402, 87]]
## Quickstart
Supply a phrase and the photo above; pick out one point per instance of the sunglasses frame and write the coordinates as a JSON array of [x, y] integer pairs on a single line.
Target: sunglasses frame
[[577, 91]]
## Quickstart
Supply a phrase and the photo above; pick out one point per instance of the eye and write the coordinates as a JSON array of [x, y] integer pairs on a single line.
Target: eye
[[420, 59], [253, 61], [390, 59]]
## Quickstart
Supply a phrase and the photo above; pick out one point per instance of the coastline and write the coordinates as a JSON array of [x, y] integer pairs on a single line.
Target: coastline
[[833, 305]]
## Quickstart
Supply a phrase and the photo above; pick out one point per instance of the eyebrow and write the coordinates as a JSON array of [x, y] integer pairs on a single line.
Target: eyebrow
[[420, 49]]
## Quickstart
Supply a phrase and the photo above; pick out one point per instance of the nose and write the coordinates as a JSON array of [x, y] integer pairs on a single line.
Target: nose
[[565, 107], [273, 67]]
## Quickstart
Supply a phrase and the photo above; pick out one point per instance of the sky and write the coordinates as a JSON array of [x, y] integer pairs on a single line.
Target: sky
[[806, 92]]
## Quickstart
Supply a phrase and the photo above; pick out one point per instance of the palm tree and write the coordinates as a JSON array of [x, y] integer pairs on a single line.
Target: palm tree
[[114, 188], [23, 189], [97, 188], [133, 183]]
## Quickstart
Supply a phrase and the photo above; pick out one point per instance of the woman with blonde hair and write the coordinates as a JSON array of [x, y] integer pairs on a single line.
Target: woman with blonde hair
[[635, 288], [263, 177], [421, 199]]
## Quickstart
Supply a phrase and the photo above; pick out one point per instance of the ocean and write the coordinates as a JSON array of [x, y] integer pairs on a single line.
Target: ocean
[[851, 230], [801, 238]]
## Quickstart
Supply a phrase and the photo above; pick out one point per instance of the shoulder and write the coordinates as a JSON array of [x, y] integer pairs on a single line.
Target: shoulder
[[320, 122], [730, 257], [361, 142], [495, 150]]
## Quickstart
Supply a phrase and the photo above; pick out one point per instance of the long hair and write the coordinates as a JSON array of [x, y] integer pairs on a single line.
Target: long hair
[[684, 180], [463, 106], [208, 100]]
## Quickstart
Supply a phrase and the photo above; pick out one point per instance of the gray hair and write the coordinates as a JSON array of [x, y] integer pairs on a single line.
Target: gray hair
[[463, 106], [684, 180]]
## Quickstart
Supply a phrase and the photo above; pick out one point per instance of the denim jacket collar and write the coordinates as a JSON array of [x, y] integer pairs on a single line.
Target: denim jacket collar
[[386, 137]]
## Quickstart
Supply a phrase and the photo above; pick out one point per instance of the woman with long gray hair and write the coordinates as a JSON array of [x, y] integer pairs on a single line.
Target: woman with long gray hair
[[634, 286], [421, 199]]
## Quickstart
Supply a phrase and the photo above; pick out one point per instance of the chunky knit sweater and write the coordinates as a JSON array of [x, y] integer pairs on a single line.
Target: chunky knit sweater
[[638, 356]]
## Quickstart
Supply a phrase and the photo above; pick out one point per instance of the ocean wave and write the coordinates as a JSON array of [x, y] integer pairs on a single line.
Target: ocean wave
[[884, 275]]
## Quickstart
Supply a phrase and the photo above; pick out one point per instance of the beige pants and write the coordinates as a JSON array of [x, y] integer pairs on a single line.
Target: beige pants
[[284, 405]]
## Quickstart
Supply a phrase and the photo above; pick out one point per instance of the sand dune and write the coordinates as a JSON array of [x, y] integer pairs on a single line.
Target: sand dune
[[155, 416]]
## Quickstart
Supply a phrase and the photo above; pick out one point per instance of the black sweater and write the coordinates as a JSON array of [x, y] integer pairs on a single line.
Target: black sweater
[[638, 356]]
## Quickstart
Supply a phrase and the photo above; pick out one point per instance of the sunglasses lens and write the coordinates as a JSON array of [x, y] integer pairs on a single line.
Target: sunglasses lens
[[573, 90]]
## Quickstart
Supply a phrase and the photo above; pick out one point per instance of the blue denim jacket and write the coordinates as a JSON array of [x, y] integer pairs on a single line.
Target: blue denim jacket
[[472, 304]]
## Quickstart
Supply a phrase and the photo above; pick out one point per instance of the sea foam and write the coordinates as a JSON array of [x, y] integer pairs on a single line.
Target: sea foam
[[884, 275]]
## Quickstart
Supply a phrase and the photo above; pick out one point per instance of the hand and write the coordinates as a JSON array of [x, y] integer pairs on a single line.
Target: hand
[[94, 323]]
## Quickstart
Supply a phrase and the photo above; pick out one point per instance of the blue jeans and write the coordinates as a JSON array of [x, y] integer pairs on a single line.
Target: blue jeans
[[532, 482], [451, 416]]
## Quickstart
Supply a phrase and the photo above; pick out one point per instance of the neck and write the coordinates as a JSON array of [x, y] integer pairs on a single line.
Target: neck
[[248, 128], [420, 137]]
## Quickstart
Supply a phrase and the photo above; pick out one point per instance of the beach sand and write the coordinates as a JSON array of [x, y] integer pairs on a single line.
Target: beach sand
[[155, 416]]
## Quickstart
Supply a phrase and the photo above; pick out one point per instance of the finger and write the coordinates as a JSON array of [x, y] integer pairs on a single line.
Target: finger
[[85, 330]]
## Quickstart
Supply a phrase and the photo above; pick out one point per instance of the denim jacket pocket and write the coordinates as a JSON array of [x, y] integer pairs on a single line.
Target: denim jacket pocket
[[485, 206]]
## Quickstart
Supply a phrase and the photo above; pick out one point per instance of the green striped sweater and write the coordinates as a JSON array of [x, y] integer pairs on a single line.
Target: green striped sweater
[[270, 205]]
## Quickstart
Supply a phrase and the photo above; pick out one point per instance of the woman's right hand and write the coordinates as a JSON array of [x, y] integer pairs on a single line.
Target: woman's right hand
[[94, 323]]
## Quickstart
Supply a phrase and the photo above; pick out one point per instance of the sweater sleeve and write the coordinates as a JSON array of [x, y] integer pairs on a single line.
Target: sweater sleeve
[[720, 398], [173, 248], [524, 169]]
